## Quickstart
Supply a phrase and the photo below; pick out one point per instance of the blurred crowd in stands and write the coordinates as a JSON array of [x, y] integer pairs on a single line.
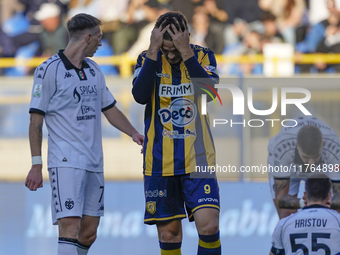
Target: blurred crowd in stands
[[229, 27]]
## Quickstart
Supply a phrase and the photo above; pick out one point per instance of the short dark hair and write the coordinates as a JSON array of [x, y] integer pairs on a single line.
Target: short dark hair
[[309, 139], [81, 22], [168, 18], [267, 16], [318, 187]]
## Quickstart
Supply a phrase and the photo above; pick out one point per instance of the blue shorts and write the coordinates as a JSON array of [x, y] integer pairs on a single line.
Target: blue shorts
[[165, 197]]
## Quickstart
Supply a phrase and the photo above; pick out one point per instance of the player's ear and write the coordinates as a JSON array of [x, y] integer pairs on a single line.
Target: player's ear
[[329, 196], [88, 38]]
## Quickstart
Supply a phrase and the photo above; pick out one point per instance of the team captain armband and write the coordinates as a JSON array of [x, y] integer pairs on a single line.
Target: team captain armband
[[277, 251]]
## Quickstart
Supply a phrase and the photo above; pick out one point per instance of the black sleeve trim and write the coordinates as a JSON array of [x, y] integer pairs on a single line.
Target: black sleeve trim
[[109, 106], [277, 251], [34, 110], [282, 178]]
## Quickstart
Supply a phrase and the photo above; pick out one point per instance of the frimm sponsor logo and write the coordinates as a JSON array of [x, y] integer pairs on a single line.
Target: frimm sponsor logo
[[239, 102]]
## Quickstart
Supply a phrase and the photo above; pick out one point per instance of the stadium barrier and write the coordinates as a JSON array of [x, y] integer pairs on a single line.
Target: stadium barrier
[[125, 62], [237, 145]]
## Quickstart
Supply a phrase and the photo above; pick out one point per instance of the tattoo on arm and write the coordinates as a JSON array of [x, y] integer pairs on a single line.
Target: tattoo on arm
[[286, 201], [35, 136], [39, 136], [289, 202], [280, 185], [335, 202]]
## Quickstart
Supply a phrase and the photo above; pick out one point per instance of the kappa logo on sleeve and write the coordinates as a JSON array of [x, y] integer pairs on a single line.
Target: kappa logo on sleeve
[[37, 90]]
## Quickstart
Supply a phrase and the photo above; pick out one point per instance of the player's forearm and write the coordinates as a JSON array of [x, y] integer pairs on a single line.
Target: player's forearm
[[195, 69], [289, 202], [35, 134], [199, 77], [143, 85], [119, 121]]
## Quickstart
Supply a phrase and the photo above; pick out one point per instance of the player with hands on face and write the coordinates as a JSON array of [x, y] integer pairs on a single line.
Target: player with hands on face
[[178, 138]]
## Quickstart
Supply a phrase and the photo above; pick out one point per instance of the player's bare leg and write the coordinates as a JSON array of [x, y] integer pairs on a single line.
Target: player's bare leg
[[207, 224], [87, 234], [68, 235], [170, 237], [76, 235]]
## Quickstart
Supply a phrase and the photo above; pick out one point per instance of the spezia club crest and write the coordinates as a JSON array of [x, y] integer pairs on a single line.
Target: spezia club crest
[[92, 72], [69, 204], [37, 90]]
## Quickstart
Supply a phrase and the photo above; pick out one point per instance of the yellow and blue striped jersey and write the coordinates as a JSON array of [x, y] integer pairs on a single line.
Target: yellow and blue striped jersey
[[177, 135]]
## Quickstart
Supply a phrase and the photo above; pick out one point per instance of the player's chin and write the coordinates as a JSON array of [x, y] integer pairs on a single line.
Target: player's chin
[[90, 54], [174, 61]]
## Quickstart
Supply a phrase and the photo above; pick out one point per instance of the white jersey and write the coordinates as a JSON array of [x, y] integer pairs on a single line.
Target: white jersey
[[72, 100], [282, 152], [313, 230]]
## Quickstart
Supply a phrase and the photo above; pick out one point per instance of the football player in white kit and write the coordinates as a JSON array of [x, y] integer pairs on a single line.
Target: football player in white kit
[[69, 92], [313, 230], [310, 146]]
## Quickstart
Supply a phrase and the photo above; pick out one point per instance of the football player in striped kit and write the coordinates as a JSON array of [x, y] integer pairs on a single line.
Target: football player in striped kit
[[178, 137]]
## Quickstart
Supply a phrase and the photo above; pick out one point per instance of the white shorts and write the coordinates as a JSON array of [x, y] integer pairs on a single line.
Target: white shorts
[[76, 192]]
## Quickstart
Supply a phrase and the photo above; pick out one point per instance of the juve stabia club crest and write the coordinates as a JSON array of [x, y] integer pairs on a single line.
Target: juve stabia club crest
[[151, 207]]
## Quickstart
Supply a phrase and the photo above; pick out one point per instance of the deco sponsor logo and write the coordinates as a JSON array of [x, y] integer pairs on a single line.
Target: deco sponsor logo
[[184, 89], [181, 112]]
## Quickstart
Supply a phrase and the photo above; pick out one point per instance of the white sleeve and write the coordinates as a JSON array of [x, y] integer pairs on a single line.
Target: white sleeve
[[108, 100], [44, 86], [277, 237]]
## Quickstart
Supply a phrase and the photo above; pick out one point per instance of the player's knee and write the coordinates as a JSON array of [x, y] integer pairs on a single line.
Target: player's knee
[[169, 237], [68, 229], [210, 228], [88, 238]]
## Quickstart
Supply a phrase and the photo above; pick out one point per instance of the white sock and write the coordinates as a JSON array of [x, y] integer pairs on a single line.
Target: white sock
[[67, 246], [82, 248]]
